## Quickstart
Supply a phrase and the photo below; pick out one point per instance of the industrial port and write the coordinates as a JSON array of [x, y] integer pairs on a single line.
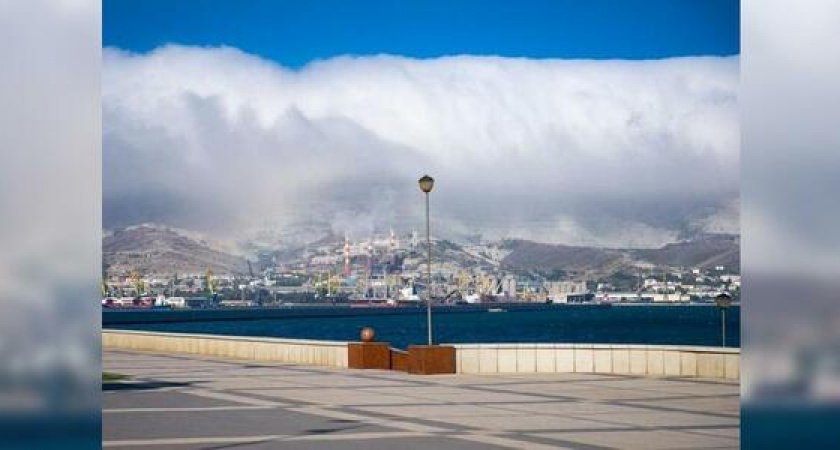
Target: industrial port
[[390, 270]]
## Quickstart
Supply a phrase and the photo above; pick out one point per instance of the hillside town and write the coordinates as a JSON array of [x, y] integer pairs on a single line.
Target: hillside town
[[390, 269]]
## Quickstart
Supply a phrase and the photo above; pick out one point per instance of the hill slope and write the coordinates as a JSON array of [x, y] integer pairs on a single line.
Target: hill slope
[[527, 255], [704, 251], [162, 250]]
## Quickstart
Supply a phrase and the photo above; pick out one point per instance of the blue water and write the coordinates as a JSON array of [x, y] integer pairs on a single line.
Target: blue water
[[675, 325]]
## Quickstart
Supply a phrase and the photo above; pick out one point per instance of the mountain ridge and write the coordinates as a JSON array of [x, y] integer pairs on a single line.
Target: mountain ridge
[[701, 251], [152, 248]]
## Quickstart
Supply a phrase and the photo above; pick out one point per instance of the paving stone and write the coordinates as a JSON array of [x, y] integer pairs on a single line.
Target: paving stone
[[190, 402]]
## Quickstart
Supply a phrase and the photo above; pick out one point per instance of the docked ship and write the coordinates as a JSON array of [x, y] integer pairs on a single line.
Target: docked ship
[[403, 297]]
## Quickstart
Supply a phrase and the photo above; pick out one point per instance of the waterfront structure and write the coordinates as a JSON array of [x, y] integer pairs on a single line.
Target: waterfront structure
[[470, 358], [501, 412], [559, 291]]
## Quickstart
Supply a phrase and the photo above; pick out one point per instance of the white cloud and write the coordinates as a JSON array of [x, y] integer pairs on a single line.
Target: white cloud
[[596, 152]]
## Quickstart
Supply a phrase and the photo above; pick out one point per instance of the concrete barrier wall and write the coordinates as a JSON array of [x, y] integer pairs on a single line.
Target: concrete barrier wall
[[299, 351], [650, 360]]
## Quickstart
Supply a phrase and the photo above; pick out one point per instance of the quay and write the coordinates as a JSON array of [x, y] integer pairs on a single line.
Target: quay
[[189, 401], [210, 392]]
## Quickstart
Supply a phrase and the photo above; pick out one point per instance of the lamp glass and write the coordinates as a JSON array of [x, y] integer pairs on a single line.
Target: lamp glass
[[426, 183]]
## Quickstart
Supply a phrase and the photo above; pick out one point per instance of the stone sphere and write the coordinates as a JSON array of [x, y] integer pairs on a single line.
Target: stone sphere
[[367, 334]]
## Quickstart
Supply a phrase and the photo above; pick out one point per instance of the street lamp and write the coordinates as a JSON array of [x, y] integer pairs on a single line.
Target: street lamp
[[723, 301], [426, 184]]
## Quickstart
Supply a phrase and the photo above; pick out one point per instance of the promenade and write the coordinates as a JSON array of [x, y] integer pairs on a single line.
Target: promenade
[[195, 402]]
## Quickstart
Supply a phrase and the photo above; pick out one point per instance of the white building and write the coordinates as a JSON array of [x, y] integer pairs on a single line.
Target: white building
[[669, 297], [325, 260], [509, 286], [734, 280], [558, 291]]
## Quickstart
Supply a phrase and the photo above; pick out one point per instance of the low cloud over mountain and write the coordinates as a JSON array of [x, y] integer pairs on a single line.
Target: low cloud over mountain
[[599, 153]]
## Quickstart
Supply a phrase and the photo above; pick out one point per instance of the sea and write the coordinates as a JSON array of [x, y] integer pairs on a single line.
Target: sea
[[637, 324]]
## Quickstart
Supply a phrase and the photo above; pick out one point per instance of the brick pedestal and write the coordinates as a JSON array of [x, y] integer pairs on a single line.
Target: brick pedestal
[[431, 359], [369, 355]]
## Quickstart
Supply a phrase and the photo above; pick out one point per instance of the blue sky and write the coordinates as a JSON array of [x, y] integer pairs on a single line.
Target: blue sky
[[294, 32]]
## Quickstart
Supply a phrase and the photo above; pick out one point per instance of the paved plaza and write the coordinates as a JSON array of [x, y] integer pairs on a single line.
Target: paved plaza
[[192, 402]]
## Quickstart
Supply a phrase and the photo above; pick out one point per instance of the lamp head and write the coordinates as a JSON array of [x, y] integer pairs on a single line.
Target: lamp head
[[426, 183], [723, 300], [367, 334]]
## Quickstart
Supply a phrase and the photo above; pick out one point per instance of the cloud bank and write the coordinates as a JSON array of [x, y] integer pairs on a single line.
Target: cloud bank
[[608, 153]]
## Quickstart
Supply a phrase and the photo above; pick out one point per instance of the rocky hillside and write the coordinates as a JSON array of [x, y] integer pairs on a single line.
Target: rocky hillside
[[157, 249], [527, 255], [702, 251]]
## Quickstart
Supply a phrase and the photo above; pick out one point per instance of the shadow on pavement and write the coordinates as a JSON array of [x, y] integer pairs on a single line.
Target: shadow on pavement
[[140, 385]]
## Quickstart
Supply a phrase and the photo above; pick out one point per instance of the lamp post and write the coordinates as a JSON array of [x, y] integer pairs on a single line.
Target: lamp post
[[426, 184], [723, 300]]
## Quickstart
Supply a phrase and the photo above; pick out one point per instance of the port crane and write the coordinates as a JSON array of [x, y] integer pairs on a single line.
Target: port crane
[[137, 283], [211, 283]]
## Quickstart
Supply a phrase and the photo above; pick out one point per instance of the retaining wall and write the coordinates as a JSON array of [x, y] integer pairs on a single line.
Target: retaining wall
[[652, 360], [646, 360], [298, 351]]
